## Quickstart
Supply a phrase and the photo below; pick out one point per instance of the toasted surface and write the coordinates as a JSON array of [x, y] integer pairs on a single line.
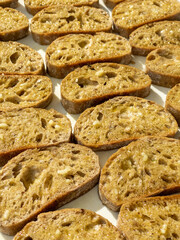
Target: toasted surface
[[13, 24], [34, 6], [9, 3], [144, 168], [90, 85], [38, 180], [70, 224], [120, 120], [31, 128], [17, 58], [152, 218], [163, 66], [131, 14], [56, 21], [154, 35], [17, 92], [85, 49], [173, 102]]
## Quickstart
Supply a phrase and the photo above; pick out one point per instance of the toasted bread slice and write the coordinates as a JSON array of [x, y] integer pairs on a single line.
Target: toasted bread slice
[[154, 35], [93, 84], [17, 58], [56, 21], [14, 25], [121, 120], [173, 103], [31, 128], [44, 179], [34, 6], [131, 14], [70, 224], [152, 218], [146, 167], [85, 49], [18, 92], [163, 66]]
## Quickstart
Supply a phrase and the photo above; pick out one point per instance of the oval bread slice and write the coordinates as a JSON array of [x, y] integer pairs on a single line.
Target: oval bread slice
[[42, 180], [85, 49], [131, 14], [31, 128], [163, 66], [90, 85], [9, 3], [157, 217], [154, 35], [173, 102], [17, 58], [34, 6], [18, 92], [146, 167], [56, 21], [121, 120], [70, 224], [14, 25]]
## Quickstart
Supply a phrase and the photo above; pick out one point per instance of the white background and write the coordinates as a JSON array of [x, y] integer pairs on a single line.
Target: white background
[[91, 199]]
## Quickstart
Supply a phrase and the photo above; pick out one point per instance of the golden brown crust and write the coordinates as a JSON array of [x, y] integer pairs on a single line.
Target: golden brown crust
[[131, 14], [9, 3], [85, 49], [44, 180], [90, 85]]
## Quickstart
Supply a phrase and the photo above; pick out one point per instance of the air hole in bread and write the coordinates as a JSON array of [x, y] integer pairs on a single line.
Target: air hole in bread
[[66, 224], [162, 162], [29, 175], [75, 151], [16, 170], [20, 93], [70, 19], [111, 74], [39, 137], [74, 158], [146, 170], [173, 167], [12, 183], [32, 69], [28, 238], [84, 82], [14, 57], [81, 174], [12, 83], [157, 4], [165, 53], [8, 176], [48, 181], [100, 116], [15, 100], [140, 37], [71, 177], [174, 217], [145, 217], [166, 179], [151, 58], [97, 20], [43, 123], [127, 194], [82, 44], [45, 19], [175, 235]]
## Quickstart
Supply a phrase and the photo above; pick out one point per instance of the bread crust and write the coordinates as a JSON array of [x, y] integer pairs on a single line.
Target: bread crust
[[57, 198], [9, 3]]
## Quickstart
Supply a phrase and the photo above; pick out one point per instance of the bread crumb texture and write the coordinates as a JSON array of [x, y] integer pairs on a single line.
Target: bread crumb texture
[[70, 224], [122, 119], [36, 179], [153, 218], [145, 167]]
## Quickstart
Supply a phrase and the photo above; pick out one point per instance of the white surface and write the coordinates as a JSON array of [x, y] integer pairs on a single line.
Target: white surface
[[91, 199]]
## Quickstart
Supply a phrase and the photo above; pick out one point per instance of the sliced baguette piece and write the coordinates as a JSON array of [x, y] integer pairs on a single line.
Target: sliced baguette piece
[[40, 180], [31, 128], [18, 92], [146, 167], [131, 14], [85, 49], [121, 120], [154, 35], [163, 66], [173, 102], [9, 3], [93, 84], [17, 58], [70, 224], [34, 6], [152, 218], [14, 25], [56, 21]]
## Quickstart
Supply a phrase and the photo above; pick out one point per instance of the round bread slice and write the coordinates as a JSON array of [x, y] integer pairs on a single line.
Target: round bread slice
[[93, 84], [31, 128], [34, 6], [121, 120], [56, 21], [17, 58], [151, 218], [146, 167], [154, 35], [9, 3], [18, 92], [85, 49], [14, 25], [163, 66], [131, 14], [70, 224], [173, 102], [42, 179]]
